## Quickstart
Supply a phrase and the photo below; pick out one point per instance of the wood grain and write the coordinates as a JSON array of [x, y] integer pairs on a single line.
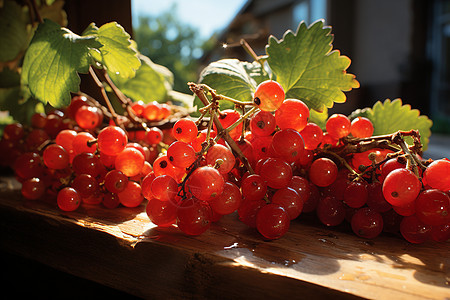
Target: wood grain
[[122, 249]]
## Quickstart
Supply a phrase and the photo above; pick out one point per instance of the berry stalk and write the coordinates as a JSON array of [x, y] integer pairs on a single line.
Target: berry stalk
[[199, 91]]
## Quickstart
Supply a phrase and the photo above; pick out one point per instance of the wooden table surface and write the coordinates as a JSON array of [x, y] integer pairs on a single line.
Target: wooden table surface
[[122, 249]]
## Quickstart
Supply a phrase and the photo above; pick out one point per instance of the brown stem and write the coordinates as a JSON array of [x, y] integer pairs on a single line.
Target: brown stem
[[182, 191], [218, 97], [242, 119], [417, 144], [200, 119], [375, 166], [253, 54], [44, 145], [30, 11], [35, 10], [341, 160], [95, 103], [92, 142], [121, 96], [104, 95], [237, 102], [398, 139], [366, 145], [389, 137], [206, 108], [126, 102], [199, 91], [208, 131], [249, 49]]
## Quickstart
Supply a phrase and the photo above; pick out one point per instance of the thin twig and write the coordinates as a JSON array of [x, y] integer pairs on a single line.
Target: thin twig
[[365, 145], [36, 11], [30, 10], [199, 91], [104, 95], [125, 101], [121, 96], [237, 102], [208, 131], [242, 119], [398, 139], [95, 103], [253, 54], [249, 49], [341, 160], [353, 140], [205, 109], [218, 97]]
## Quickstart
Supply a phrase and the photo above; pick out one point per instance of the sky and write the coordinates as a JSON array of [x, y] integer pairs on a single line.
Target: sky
[[208, 16]]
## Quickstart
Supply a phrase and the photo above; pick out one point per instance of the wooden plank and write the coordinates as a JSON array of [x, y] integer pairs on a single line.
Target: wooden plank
[[122, 249]]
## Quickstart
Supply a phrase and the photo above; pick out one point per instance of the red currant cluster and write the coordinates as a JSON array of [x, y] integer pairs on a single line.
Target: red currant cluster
[[69, 157], [294, 167], [269, 163], [153, 111]]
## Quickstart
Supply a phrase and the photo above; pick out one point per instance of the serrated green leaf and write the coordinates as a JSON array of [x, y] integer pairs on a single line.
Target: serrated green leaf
[[14, 35], [232, 78], [148, 85], [308, 69], [117, 55], [52, 63], [91, 29], [391, 116], [359, 113]]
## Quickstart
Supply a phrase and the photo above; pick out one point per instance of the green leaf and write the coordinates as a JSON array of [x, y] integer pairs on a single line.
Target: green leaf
[[11, 101], [14, 35], [232, 78], [320, 118], [52, 62], [116, 55], [148, 85], [256, 72], [308, 69], [391, 116], [165, 72], [90, 30], [181, 99], [25, 110]]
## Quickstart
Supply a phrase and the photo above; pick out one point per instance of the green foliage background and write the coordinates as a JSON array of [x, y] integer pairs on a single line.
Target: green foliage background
[[164, 59]]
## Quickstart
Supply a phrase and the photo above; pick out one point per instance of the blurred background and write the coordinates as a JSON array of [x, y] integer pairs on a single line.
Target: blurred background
[[399, 49]]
